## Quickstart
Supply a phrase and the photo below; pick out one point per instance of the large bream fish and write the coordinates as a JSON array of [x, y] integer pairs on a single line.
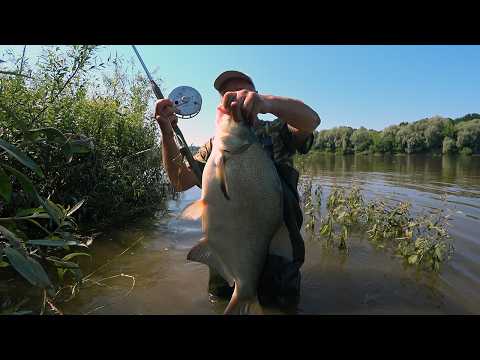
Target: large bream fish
[[241, 210]]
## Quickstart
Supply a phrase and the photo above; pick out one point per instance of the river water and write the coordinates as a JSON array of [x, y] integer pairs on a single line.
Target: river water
[[153, 276]]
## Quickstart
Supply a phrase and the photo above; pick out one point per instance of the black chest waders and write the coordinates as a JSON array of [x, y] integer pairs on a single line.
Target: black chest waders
[[292, 213], [281, 278]]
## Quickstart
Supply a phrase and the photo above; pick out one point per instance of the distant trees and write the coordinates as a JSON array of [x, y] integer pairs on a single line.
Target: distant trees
[[435, 134], [467, 117], [448, 146], [361, 140], [336, 140], [468, 135], [386, 140]]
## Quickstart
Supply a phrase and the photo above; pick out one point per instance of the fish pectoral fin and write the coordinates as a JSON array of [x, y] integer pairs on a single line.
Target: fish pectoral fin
[[202, 253], [221, 174], [193, 211]]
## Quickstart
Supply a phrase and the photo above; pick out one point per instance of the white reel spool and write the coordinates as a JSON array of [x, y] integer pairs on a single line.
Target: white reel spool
[[187, 101]]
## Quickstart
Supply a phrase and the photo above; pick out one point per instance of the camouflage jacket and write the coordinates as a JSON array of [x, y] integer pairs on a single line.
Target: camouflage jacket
[[276, 138]]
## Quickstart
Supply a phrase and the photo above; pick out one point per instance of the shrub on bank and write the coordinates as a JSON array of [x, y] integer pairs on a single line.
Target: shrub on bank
[[78, 150], [75, 93]]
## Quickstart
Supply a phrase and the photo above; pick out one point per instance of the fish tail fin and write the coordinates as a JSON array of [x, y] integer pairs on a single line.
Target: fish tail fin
[[245, 306]]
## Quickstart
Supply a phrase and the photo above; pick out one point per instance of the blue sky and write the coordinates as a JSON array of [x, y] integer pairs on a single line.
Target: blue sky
[[371, 86]]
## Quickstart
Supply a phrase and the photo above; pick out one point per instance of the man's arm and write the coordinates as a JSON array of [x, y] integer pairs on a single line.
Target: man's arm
[[301, 119], [181, 177]]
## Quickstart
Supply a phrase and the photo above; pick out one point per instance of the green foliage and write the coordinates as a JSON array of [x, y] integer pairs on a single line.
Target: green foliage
[[466, 151], [467, 117], [468, 135], [448, 146], [385, 142], [335, 140], [20, 248], [87, 125], [361, 140], [422, 240], [449, 129], [433, 134], [78, 149], [343, 212], [22, 158], [311, 202]]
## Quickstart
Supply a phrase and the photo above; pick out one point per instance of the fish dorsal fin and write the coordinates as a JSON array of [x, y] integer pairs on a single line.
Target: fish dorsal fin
[[221, 174], [202, 253], [193, 211]]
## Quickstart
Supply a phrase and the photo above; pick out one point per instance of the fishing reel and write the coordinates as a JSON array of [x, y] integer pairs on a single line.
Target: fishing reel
[[187, 101]]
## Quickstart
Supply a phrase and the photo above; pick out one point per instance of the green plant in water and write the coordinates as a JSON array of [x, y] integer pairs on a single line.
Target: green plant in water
[[343, 212], [425, 240], [309, 209], [386, 223], [422, 241], [312, 202]]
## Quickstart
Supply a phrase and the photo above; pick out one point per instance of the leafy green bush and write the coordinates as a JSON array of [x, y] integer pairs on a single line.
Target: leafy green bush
[[78, 150], [39, 238], [97, 103]]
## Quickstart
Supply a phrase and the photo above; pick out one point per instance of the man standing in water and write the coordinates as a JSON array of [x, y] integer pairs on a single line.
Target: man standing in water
[[290, 133]]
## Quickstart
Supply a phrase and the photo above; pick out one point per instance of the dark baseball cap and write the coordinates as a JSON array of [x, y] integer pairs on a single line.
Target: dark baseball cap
[[230, 74]]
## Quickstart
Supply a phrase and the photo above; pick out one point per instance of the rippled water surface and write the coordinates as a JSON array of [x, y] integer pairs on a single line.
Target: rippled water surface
[[364, 281]]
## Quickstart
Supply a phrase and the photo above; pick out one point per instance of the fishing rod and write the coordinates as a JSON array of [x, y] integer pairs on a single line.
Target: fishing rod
[[188, 103]]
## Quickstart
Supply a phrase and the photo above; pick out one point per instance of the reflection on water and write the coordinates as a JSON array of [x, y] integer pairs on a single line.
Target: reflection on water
[[365, 281]]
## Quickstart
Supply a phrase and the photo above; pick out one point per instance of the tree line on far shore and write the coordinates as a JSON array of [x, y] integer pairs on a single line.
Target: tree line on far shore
[[435, 135]]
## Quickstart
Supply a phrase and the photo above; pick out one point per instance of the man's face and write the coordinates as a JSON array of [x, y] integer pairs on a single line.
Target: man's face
[[236, 85]]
